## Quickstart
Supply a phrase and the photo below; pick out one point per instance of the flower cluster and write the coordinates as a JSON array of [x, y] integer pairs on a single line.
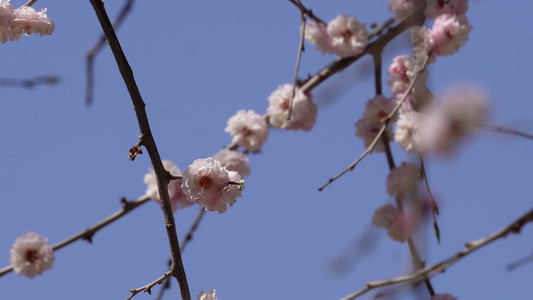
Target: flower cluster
[[24, 20], [343, 36], [397, 224], [177, 197], [303, 114], [31, 255], [376, 110], [208, 183], [248, 130]]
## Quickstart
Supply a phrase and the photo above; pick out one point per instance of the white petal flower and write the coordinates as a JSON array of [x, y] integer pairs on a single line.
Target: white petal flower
[[407, 133], [233, 161], [403, 180], [27, 21], [6, 17], [436, 8], [376, 110], [31, 255], [211, 295], [208, 183], [398, 226], [248, 130], [177, 197], [347, 36], [304, 111], [316, 34]]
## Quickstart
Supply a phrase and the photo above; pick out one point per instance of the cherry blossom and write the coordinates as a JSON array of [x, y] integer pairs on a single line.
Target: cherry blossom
[[403, 180], [211, 295], [449, 33], [460, 111], [436, 8], [248, 130], [443, 297], [24, 20], [404, 8], [407, 133], [316, 34], [208, 183], [233, 161], [304, 111], [347, 36], [401, 71], [376, 110], [31, 255], [398, 226], [177, 197]]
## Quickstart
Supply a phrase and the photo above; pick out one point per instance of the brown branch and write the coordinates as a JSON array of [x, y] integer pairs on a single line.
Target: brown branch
[[87, 234], [306, 11], [177, 269], [95, 49], [434, 270]]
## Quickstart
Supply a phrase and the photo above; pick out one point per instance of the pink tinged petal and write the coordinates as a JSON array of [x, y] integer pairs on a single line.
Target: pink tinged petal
[[248, 130], [347, 36], [31, 255], [436, 8], [304, 111], [177, 197], [449, 33], [376, 110], [404, 8], [233, 161], [403, 180]]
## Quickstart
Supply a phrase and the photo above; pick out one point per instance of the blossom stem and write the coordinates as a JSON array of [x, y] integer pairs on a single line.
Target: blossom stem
[[299, 57]]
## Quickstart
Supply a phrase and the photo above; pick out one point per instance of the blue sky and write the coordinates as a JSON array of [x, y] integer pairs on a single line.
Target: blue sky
[[64, 165]]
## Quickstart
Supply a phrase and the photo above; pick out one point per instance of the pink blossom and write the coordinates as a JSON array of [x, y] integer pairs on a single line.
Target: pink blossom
[[208, 183], [304, 111], [461, 110], [347, 36], [31, 255], [449, 33], [403, 180], [401, 71], [177, 197], [211, 295], [404, 8], [443, 297], [376, 110], [233, 161], [407, 133], [248, 130], [436, 8], [24, 20], [316, 34], [423, 44], [398, 226]]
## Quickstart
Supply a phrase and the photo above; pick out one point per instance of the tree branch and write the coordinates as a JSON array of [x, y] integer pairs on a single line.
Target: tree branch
[[177, 269]]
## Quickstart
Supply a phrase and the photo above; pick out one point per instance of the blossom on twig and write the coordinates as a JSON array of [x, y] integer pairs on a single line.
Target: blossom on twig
[[208, 183], [303, 114], [177, 197], [402, 181], [31, 255], [376, 110], [248, 130], [211, 295], [398, 226], [24, 20], [233, 161]]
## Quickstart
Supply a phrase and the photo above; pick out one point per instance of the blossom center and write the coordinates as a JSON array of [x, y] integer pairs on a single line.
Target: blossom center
[[31, 256], [205, 182]]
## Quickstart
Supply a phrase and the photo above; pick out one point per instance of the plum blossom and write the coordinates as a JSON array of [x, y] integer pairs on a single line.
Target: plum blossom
[[31, 255], [347, 36], [177, 197], [407, 133], [401, 72], [316, 34], [24, 20], [460, 111], [443, 297], [449, 33], [376, 110], [343, 36], [233, 161], [404, 8], [304, 111], [398, 226], [208, 183], [436, 8], [211, 295], [248, 130], [403, 180]]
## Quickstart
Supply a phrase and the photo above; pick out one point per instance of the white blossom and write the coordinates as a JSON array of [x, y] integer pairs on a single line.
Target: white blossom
[[303, 114], [248, 130], [31, 255], [449, 33], [233, 161], [407, 133], [398, 225], [24, 20], [403, 180], [211, 295], [347, 36], [376, 110], [177, 197]]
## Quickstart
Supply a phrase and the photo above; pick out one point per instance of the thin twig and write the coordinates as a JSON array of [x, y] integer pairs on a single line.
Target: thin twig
[[87, 234], [432, 202], [95, 49], [148, 288], [29, 83], [300, 50], [194, 226], [177, 269], [382, 130], [30, 3], [507, 131], [433, 270], [308, 12]]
